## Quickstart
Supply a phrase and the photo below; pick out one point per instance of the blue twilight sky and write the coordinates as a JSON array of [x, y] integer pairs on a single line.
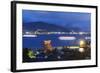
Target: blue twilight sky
[[65, 19]]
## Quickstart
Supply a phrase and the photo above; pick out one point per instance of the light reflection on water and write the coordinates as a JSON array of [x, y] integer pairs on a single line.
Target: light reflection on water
[[37, 42]]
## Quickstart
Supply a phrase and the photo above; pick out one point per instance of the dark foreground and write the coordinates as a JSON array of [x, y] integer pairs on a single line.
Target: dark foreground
[[57, 54]]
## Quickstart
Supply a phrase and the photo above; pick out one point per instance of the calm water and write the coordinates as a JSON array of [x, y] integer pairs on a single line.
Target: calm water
[[37, 42]]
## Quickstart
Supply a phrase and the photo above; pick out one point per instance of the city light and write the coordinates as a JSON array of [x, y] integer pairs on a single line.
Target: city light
[[31, 54], [81, 50], [82, 43], [29, 35], [73, 47], [67, 38]]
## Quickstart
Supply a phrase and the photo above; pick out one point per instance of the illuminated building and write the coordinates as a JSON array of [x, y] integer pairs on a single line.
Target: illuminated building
[[47, 46]]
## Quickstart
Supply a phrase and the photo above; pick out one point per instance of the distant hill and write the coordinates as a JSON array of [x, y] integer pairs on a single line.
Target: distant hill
[[33, 26]]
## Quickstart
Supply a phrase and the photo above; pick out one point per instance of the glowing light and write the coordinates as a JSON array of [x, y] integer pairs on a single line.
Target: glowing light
[[87, 38], [59, 57], [67, 38], [29, 35], [82, 43], [81, 49], [31, 54], [81, 33], [37, 52], [28, 32], [73, 47], [47, 41]]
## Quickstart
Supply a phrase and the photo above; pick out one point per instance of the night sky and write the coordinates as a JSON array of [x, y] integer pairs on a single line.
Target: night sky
[[65, 19]]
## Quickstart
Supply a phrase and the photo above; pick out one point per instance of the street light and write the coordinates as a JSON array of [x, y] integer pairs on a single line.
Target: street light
[[82, 44], [81, 50]]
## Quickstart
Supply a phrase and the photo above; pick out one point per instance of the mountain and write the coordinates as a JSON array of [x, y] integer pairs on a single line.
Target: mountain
[[33, 26]]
